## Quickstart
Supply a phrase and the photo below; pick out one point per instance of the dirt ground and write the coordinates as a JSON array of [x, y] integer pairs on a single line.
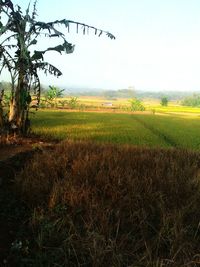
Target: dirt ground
[[13, 146], [14, 153]]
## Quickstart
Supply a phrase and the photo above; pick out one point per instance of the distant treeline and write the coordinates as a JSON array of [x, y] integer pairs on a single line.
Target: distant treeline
[[193, 101], [186, 98], [129, 93]]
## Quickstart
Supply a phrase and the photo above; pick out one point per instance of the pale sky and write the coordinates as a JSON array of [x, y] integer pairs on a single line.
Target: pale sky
[[157, 44]]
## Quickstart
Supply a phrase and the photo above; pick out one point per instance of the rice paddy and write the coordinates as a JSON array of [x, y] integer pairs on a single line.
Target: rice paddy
[[150, 130]]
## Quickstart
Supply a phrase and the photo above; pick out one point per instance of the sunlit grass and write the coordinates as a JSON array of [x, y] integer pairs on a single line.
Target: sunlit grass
[[182, 131], [102, 127], [174, 108], [145, 130]]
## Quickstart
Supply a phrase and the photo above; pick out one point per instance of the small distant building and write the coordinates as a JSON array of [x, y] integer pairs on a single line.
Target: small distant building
[[107, 104]]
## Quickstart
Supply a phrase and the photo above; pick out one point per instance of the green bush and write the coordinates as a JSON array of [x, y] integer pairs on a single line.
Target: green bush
[[73, 103], [136, 105], [52, 94]]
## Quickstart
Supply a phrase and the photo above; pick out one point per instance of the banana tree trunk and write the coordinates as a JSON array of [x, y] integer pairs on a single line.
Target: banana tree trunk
[[1, 116], [17, 114], [1, 110]]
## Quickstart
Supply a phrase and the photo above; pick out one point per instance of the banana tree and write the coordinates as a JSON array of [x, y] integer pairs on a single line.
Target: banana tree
[[19, 34]]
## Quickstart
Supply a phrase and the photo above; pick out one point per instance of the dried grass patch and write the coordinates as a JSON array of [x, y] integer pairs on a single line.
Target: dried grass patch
[[106, 205]]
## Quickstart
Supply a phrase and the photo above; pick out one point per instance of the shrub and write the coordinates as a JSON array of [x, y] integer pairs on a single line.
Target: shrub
[[52, 94], [73, 103], [136, 105], [63, 103]]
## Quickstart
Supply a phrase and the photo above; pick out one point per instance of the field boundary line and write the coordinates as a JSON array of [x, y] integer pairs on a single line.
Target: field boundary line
[[160, 134]]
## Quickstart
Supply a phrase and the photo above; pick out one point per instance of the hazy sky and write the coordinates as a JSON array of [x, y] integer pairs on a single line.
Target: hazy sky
[[157, 44]]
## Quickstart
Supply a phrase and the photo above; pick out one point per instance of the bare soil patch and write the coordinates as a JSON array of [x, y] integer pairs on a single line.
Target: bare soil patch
[[14, 146]]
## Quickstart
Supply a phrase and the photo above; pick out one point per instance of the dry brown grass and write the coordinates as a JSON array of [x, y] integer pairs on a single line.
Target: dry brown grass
[[104, 205]]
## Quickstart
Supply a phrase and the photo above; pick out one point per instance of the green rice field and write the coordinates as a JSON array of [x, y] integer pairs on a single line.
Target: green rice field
[[181, 131]]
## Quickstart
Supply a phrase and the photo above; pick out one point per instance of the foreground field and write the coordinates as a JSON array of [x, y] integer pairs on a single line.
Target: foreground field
[[102, 205], [144, 130], [108, 195]]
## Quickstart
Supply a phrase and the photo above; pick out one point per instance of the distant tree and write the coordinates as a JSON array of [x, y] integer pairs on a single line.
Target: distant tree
[[164, 101], [19, 33]]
